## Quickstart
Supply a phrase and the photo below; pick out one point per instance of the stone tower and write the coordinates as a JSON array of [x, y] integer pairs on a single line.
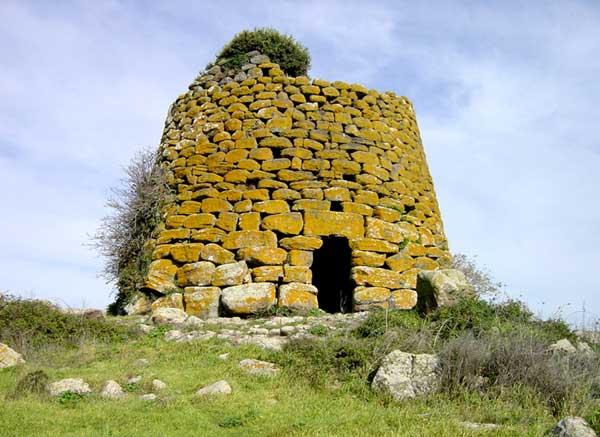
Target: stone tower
[[295, 193]]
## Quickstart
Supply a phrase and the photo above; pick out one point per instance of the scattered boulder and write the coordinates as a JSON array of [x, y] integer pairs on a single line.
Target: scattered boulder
[[591, 336], [258, 368], [563, 346], [73, 385], [221, 387], [194, 321], [168, 316], [9, 357], [223, 357], [403, 375], [479, 426], [145, 329], [572, 427], [438, 288], [112, 390], [158, 385], [585, 349], [148, 397]]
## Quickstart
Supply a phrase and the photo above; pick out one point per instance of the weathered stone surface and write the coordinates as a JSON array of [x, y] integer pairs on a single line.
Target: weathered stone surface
[[202, 302], [216, 254], [139, 305], [369, 259], [377, 277], [267, 273], [327, 223], [439, 288], [383, 230], [186, 252], [161, 276], [400, 262], [367, 295], [263, 255], [573, 427], [112, 390], [240, 239], [221, 387], [298, 296], [167, 316], [73, 385], [563, 346], [271, 207], [404, 376], [158, 385], [288, 223], [173, 300], [230, 274], [258, 367], [297, 274], [301, 242], [148, 397], [198, 273], [248, 299], [9, 357], [300, 257], [373, 245], [404, 299]]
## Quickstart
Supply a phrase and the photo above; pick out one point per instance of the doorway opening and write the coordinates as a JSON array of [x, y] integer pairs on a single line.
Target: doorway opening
[[331, 275]]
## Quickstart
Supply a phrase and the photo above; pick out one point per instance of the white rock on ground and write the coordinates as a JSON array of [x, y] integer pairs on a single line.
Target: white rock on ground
[[258, 368], [563, 346], [158, 385], [134, 379], [9, 357], [403, 375], [224, 357], [585, 349], [166, 316], [74, 385], [112, 390], [438, 288], [572, 427], [221, 387], [479, 426], [148, 397]]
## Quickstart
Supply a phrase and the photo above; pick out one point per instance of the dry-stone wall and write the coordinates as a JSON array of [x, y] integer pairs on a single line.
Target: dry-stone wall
[[265, 169]]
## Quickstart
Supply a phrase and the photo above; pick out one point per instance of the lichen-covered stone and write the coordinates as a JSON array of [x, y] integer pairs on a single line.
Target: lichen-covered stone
[[186, 252], [440, 288], [301, 242], [263, 255], [202, 302], [248, 299], [161, 276], [216, 254], [199, 273], [327, 223], [267, 273], [298, 296], [403, 299], [173, 300], [287, 223], [369, 295], [377, 277], [240, 239], [230, 274]]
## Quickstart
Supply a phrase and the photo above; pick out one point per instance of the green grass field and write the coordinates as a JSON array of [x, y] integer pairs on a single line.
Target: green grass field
[[287, 405]]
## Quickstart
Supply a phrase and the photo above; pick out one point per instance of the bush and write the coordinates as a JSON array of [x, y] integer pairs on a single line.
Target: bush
[[26, 323], [292, 57], [480, 279], [493, 362], [32, 383], [123, 236]]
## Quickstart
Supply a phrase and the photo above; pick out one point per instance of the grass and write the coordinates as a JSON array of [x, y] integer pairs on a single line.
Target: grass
[[322, 389], [285, 405]]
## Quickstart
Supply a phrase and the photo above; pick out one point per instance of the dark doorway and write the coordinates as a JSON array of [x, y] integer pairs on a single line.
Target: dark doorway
[[331, 275]]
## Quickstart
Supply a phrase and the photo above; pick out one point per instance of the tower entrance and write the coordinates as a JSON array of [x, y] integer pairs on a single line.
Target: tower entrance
[[331, 275]]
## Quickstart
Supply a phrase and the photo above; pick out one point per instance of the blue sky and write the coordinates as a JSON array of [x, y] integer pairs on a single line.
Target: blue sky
[[506, 93]]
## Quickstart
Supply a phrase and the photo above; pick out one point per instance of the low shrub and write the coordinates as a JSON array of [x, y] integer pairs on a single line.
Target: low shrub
[[292, 57], [30, 323], [32, 383], [493, 361]]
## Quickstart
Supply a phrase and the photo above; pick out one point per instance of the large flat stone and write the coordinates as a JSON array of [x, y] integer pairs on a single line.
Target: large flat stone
[[334, 223], [248, 299]]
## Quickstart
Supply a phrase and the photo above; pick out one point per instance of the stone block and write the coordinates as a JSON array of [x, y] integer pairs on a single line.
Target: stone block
[[330, 223], [404, 299], [366, 258], [202, 302], [377, 277], [230, 274], [248, 299], [300, 257], [240, 239], [216, 254], [173, 300], [197, 273], [271, 207], [186, 252], [267, 273], [298, 296], [301, 242], [287, 223], [262, 255], [297, 274], [161, 276]]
